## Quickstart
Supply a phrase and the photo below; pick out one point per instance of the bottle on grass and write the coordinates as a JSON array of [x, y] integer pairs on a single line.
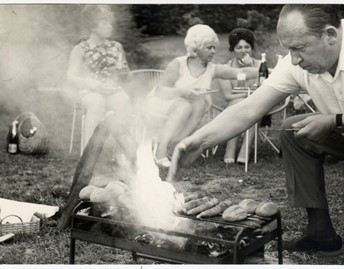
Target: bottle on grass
[[13, 138]]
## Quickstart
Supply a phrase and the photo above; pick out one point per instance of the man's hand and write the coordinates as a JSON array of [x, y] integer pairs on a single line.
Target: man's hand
[[316, 128], [185, 153]]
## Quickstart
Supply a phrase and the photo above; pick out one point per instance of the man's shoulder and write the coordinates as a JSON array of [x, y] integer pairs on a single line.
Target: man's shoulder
[[287, 77]]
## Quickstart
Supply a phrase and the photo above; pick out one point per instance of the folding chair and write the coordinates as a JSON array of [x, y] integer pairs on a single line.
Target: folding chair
[[147, 79], [77, 106], [301, 95], [277, 109]]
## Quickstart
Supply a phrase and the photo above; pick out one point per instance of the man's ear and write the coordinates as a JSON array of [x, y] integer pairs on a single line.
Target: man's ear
[[331, 34]]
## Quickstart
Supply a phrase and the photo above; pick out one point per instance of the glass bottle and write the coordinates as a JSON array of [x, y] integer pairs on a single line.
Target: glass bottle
[[13, 138], [263, 70]]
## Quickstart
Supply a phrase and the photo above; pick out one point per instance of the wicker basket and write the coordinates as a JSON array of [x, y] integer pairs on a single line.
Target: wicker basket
[[38, 142], [23, 227]]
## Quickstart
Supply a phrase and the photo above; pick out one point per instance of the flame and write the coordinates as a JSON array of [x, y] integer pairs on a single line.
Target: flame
[[157, 199]]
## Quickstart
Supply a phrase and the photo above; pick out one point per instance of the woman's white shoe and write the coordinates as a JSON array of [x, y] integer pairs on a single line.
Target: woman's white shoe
[[163, 162], [241, 160]]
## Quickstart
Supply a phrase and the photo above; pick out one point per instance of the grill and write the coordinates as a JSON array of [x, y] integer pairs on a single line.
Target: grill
[[212, 241]]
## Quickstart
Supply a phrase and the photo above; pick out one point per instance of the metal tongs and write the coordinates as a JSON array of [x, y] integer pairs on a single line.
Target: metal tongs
[[339, 130], [208, 91]]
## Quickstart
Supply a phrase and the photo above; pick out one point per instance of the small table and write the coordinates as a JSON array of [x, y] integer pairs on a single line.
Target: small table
[[249, 91]]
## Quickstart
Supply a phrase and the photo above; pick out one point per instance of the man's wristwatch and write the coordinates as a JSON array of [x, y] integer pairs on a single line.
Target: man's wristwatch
[[339, 120]]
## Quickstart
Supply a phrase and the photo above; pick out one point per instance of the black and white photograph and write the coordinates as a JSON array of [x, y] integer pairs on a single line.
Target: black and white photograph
[[157, 134]]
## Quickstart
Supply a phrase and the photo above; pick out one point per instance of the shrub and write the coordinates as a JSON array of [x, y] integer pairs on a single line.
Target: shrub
[[157, 19], [254, 21]]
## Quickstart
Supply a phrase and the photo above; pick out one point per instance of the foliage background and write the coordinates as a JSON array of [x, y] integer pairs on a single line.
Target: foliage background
[[36, 39], [168, 19]]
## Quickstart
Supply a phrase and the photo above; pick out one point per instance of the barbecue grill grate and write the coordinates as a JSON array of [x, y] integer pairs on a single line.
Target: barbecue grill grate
[[212, 241]]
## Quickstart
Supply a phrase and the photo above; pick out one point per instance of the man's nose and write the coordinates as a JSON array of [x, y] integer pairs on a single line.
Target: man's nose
[[295, 58]]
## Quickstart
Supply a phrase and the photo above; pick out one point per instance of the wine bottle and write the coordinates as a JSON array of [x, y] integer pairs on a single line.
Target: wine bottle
[[13, 138], [263, 74], [263, 70]]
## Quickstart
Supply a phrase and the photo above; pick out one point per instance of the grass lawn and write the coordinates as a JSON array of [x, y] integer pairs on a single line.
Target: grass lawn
[[47, 179]]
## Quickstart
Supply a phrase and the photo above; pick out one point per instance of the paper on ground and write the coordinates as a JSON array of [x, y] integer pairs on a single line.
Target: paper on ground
[[24, 210]]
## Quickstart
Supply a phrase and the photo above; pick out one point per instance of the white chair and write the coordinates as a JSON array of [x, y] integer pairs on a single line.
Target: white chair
[[77, 108], [147, 79]]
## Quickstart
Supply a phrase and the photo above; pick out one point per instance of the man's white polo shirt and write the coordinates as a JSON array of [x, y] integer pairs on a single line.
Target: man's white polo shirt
[[327, 92]]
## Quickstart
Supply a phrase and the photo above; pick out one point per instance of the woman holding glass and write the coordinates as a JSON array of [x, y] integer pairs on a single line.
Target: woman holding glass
[[241, 43]]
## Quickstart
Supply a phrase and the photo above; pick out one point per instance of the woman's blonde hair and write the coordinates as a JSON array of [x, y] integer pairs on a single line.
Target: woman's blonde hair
[[197, 36], [92, 14]]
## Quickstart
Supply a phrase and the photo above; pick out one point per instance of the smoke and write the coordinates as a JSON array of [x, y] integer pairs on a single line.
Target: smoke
[[35, 44]]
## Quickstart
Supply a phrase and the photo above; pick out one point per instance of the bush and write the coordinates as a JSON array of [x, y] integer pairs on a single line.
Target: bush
[[130, 36], [161, 19], [254, 21], [170, 18]]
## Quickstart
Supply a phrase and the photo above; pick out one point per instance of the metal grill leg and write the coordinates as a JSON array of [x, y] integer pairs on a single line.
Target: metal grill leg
[[72, 251], [72, 133], [279, 239], [82, 143], [134, 256]]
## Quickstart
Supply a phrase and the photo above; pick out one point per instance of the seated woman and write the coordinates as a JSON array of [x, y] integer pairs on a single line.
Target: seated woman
[[97, 68], [241, 43], [181, 99]]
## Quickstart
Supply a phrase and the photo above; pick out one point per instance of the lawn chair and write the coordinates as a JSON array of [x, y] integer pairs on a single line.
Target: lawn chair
[[264, 133], [147, 79], [77, 109], [304, 100]]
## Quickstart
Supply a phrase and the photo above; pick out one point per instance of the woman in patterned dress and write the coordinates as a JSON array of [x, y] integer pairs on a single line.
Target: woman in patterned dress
[[98, 68]]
